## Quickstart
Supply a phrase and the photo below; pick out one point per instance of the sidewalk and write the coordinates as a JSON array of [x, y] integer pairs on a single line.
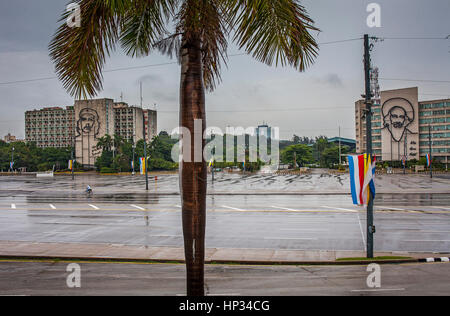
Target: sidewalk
[[30, 250]]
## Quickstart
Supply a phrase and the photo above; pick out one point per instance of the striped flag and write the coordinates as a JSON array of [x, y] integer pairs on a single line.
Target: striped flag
[[429, 160], [142, 164], [362, 175]]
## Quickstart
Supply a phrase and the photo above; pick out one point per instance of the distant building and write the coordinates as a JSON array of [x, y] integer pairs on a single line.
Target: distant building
[[11, 139], [400, 126], [50, 127], [351, 143], [264, 131], [87, 121], [151, 124]]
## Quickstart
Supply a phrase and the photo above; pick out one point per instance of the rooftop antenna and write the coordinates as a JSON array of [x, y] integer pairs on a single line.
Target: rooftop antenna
[[121, 97], [140, 84]]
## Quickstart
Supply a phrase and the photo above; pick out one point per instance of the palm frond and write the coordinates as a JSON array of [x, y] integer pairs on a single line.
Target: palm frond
[[79, 52], [273, 31], [170, 46], [144, 24], [203, 19]]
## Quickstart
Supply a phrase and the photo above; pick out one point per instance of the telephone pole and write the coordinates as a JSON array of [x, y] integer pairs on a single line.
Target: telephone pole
[[368, 102]]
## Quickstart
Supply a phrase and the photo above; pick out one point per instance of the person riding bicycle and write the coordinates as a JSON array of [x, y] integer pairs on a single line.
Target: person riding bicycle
[[88, 189]]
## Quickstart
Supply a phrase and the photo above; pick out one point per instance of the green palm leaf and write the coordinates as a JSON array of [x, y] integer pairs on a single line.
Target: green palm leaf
[[274, 31]]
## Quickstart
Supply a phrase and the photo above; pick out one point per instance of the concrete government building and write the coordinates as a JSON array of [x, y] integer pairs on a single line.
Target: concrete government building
[[401, 124], [87, 121]]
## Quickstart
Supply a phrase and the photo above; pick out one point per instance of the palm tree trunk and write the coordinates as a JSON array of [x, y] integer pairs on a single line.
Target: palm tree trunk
[[193, 174]]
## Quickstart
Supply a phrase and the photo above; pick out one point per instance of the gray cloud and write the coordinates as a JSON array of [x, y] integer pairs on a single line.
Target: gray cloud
[[331, 80]]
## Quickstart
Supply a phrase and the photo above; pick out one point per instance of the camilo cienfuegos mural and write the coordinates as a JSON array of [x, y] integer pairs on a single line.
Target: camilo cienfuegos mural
[[400, 129]]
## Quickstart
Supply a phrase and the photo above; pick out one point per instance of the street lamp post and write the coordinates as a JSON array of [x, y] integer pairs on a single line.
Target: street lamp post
[[12, 159], [132, 164], [73, 164], [430, 148]]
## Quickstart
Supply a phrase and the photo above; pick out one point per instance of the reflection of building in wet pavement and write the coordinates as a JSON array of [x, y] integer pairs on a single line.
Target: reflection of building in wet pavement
[[86, 122], [400, 126]]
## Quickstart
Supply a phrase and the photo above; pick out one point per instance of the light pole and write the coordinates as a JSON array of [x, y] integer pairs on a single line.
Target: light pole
[[71, 157], [431, 156], [132, 162], [340, 151], [12, 159], [145, 139]]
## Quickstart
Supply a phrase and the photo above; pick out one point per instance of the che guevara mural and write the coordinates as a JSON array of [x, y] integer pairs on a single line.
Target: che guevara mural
[[94, 119], [88, 123]]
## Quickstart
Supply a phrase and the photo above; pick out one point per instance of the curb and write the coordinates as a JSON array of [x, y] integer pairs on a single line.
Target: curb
[[429, 260], [226, 262]]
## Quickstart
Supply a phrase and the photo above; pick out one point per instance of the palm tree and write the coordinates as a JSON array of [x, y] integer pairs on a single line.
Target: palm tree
[[272, 31]]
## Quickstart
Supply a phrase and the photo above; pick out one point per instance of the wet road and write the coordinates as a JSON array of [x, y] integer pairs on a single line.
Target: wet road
[[49, 278], [414, 223], [224, 183]]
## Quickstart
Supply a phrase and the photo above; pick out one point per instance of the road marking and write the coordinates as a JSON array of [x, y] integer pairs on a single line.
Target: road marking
[[285, 208], [52, 206], [233, 208], [426, 240], [13, 206], [390, 208], [340, 209], [378, 290], [305, 229], [138, 207], [440, 207], [94, 207], [287, 238]]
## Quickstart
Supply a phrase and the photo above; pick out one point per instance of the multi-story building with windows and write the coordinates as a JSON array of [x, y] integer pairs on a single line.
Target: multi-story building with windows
[[150, 123], [87, 121], [50, 127], [129, 122], [402, 127]]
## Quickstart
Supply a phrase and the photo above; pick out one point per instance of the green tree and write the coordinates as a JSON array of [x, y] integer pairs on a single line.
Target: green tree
[[302, 153], [272, 31], [321, 143], [330, 156]]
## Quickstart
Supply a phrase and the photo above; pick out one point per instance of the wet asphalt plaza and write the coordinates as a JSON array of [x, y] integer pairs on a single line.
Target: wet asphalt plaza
[[301, 212]]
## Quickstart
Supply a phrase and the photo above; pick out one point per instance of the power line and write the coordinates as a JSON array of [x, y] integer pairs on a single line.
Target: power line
[[271, 110], [417, 38], [342, 41], [416, 80], [149, 66], [242, 54]]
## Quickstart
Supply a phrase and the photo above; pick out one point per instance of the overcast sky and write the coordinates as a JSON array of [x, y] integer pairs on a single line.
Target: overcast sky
[[312, 103]]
